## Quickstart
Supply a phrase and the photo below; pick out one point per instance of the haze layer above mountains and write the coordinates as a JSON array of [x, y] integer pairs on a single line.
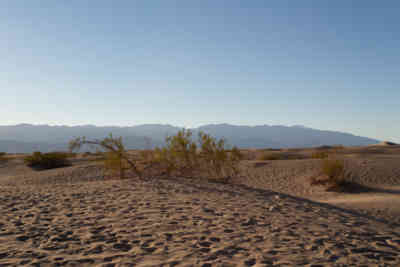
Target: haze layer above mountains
[[26, 138]]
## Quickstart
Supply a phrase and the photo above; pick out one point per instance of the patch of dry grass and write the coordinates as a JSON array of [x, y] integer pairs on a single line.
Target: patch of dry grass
[[50, 160], [182, 156], [280, 156], [3, 157], [319, 155], [333, 171]]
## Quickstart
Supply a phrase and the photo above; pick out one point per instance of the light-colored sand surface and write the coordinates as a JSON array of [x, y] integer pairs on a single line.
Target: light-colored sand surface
[[76, 217], [378, 177], [183, 223]]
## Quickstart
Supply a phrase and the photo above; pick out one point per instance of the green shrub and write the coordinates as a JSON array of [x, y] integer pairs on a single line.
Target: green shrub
[[319, 155], [270, 156], [182, 156], [114, 163], [216, 159], [271, 149], [72, 155], [333, 171], [179, 155], [115, 157], [50, 160], [333, 168], [3, 157], [280, 156]]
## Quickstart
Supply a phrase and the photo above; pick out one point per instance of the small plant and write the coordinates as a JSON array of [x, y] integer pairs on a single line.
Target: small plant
[[3, 157], [50, 160], [115, 163], [115, 157], [270, 156], [217, 160], [280, 156], [72, 155], [333, 168], [319, 155], [179, 155], [333, 171], [183, 156]]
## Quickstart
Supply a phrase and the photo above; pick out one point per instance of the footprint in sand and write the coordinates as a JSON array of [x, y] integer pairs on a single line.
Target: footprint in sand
[[215, 239], [122, 246]]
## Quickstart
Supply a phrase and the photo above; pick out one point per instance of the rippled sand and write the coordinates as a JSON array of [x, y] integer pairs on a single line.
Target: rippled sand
[[76, 217]]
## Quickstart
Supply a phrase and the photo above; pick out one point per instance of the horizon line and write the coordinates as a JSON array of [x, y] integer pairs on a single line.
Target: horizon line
[[188, 128]]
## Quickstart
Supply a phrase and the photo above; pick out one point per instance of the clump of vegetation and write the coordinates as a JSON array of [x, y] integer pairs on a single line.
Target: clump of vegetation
[[115, 163], [116, 157], [3, 157], [39, 160], [248, 154], [180, 156], [334, 174], [333, 168], [271, 149], [319, 155], [72, 155], [220, 162], [184, 157], [280, 156], [270, 156]]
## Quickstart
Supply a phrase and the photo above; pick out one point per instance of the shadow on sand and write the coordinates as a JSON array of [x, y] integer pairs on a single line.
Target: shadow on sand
[[357, 188], [243, 190]]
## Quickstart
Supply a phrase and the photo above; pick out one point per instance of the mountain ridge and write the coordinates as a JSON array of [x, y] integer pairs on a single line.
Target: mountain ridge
[[25, 138]]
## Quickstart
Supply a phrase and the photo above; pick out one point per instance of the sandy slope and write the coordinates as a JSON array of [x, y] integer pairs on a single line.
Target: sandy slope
[[179, 222], [378, 177], [75, 216]]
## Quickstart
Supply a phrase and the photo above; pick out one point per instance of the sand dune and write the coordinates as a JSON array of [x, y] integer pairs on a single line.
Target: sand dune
[[181, 223], [270, 216]]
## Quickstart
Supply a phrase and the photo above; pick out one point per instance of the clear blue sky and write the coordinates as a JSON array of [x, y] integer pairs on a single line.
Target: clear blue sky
[[331, 65]]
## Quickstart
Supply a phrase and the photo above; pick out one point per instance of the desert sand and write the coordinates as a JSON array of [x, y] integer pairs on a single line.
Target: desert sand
[[269, 216]]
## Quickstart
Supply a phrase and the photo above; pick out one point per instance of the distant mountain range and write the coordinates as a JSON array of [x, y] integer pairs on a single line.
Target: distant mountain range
[[26, 138]]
